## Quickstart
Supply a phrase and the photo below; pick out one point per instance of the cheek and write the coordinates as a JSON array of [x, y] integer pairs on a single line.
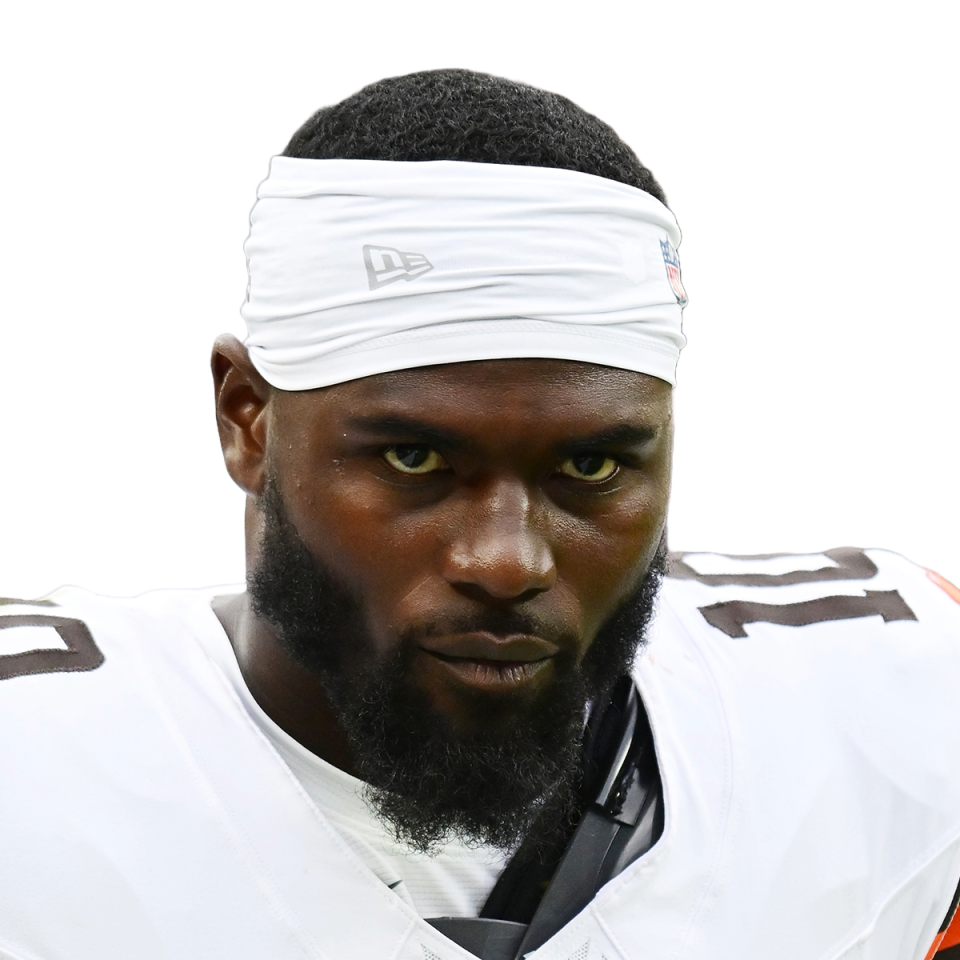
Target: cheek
[[351, 524], [601, 559]]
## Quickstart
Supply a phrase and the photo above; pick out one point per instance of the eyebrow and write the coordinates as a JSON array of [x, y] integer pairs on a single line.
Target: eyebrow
[[408, 426], [622, 435]]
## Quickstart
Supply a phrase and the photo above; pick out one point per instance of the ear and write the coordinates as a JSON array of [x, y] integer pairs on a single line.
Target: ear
[[242, 397]]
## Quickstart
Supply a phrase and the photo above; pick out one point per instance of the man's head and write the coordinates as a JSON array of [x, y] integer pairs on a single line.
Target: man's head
[[462, 554]]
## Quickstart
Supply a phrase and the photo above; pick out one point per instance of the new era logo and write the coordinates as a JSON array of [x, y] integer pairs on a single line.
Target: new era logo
[[386, 264]]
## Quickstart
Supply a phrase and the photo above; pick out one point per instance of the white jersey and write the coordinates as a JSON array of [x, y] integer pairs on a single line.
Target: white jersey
[[806, 719]]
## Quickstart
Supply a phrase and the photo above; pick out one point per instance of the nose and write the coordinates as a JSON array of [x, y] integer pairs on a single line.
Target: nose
[[501, 548]]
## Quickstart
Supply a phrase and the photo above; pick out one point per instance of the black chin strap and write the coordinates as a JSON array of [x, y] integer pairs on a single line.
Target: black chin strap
[[539, 893]]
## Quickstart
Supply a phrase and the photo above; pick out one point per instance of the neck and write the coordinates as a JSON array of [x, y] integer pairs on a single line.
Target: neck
[[290, 694]]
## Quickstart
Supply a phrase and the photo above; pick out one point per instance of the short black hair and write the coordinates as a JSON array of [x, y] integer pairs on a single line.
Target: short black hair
[[464, 115]]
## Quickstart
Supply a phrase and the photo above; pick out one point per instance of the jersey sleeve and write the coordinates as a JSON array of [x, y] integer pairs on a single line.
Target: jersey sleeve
[[844, 608], [946, 946]]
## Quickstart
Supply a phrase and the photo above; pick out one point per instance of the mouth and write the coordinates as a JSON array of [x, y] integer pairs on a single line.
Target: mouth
[[497, 664], [480, 645], [494, 674]]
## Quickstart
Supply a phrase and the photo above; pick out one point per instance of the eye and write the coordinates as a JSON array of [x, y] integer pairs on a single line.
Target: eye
[[413, 460], [590, 466]]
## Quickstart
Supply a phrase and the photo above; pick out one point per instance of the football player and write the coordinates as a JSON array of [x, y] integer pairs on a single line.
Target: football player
[[466, 704]]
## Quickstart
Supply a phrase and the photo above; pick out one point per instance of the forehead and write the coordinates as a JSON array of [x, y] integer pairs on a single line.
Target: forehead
[[490, 393]]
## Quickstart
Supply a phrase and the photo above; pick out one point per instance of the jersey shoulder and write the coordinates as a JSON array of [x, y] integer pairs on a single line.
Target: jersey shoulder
[[92, 690]]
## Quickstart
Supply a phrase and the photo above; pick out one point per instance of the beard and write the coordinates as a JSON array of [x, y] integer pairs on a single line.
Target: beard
[[511, 773]]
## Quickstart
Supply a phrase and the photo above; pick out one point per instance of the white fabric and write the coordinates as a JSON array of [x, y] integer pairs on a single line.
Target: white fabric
[[359, 267], [453, 882], [811, 786]]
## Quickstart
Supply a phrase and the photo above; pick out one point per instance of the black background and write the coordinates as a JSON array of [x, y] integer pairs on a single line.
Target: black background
[[813, 397]]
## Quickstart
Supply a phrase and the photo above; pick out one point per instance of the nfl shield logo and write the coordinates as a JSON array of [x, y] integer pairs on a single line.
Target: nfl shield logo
[[672, 263]]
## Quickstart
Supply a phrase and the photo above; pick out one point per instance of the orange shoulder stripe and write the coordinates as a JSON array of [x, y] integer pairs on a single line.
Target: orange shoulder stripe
[[945, 585], [949, 936]]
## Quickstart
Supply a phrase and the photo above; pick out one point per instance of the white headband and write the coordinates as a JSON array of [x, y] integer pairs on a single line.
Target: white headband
[[360, 267]]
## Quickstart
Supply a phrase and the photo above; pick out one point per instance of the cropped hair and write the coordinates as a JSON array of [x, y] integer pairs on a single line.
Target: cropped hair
[[464, 115]]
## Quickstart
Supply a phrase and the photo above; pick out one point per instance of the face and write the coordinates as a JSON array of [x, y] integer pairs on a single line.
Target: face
[[466, 545]]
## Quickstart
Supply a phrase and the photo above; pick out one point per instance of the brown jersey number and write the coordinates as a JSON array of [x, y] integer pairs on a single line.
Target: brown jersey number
[[79, 652], [848, 563]]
